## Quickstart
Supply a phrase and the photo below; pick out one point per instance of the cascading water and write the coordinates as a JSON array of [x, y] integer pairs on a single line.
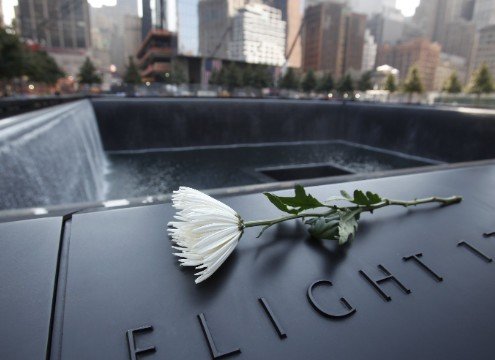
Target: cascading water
[[52, 156]]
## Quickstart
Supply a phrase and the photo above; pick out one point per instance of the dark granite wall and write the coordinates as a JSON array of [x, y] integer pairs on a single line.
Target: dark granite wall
[[446, 134]]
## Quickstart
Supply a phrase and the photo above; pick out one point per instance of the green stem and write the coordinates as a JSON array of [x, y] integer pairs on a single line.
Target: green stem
[[364, 208]]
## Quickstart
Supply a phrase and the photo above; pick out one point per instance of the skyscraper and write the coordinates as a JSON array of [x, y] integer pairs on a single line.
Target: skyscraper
[[187, 27], [387, 26], [484, 13], [146, 22], [485, 53], [215, 26], [292, 15], [258, 35], [369, 52], [368, 7], [55, 24], [1, 13], [333, 39], [419, 52]]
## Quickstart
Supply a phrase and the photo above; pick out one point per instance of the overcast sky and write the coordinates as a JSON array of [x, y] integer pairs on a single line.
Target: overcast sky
[[406, 6]]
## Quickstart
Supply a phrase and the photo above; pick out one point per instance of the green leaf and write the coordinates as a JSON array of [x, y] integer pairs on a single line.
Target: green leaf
[[324, 227], [360, 198], [348, 225], [275, 200], [340, 225], [296, 204], [346, 195]]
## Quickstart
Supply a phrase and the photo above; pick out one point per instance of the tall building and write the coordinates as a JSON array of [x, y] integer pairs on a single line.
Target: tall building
[[432, 16], [132, 36], [333, 39], [419, 52], [155, 55], [368, 7], [215, 26], [258, 35], [485, 52], [1, 13], [187, 27], [146, 21], [459, 38], [484, 13], [447, 65], [387, 26], [111, 32], [55, 24], [369, 52], [292, 15]]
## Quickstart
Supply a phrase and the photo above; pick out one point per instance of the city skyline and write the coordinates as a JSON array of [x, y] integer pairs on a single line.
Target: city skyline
[[407, 7]]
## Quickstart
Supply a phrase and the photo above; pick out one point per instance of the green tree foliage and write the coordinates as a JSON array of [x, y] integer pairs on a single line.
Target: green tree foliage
[[12, 56], [234, 76], [87, 73], [178, 75], [482, 82], [365, 81], [413, 82], [326, 83], [256, 76], [290, 80], [453, 85], [132, 75], [309, 82], [345, 84], [41, 67], [390, 84]]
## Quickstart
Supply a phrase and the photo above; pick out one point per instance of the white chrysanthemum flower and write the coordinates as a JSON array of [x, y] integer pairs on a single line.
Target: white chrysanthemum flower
[[206, 233]]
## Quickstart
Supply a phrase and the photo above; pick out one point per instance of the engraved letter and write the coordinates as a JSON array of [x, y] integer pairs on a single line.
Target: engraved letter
[[213, 349], [273, 319], [422, 265], [318, 308], [133, 351], [475, 251], [388, 277]]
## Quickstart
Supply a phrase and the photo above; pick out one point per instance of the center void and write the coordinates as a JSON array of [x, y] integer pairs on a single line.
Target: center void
[[310, 171]]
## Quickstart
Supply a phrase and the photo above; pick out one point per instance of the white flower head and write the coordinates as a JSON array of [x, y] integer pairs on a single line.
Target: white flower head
[[206, 233]]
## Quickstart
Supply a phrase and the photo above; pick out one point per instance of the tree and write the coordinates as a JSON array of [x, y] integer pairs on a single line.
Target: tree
[[390, 84], [290, 80], [482, 82], [12, 57], [365, 81], [234, 76], [326, 83], [453, 85], [309, 82], [248, 76], [41, 67], [345, 84], [87, 73], [413, 83], [261, 77], [132, 75], [178, 74]]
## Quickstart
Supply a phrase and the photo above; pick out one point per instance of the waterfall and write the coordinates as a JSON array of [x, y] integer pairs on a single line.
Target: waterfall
[[51, 156]]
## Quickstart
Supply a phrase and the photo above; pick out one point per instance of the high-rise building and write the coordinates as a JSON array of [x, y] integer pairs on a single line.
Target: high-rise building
[[1, 13], [369, 52], [459, 38], [258, 35], [432, 16], [484, 13], [333, 39], [110, 34], [155, 55], [368, 7], [215, 26], [485, 52], [387, 26], [146, 21], [132, 36], [292, 15], [55, 24], [187, 27], [419, 52], [448, 65]]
